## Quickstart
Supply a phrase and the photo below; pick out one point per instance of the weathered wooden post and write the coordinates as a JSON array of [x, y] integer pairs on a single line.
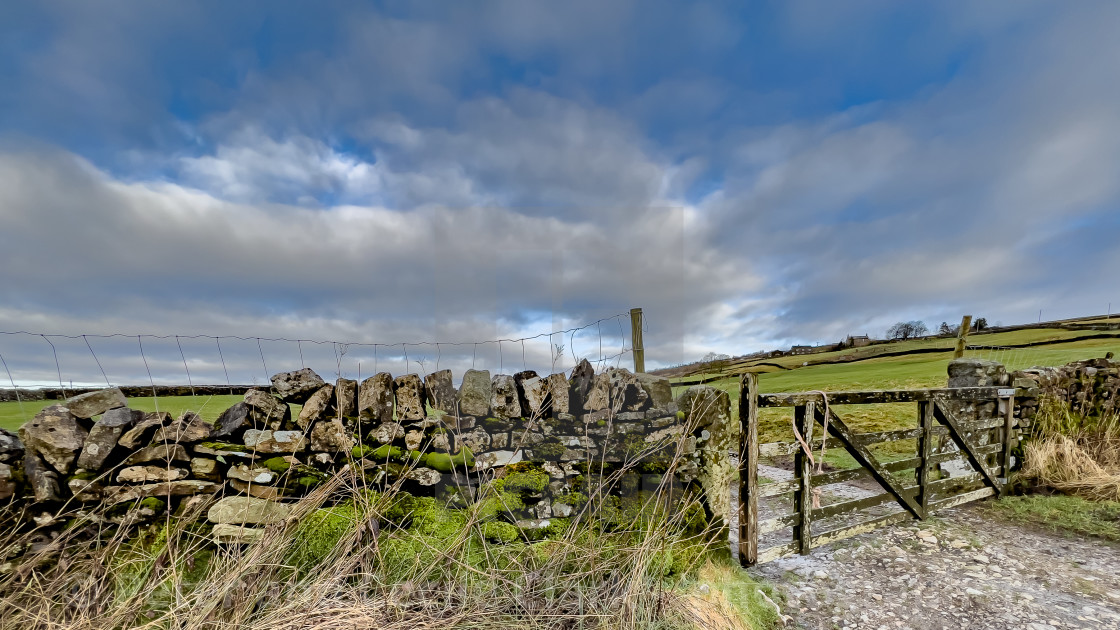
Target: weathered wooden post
[[925, 444], [962, 334], [636, 340], [748, 469], [803, 495], [1008, 435]]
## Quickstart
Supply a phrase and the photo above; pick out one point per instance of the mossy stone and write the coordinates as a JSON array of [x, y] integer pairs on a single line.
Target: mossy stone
[[524, 478], [225, 446], [500, 532], [319, 533], [388, 452], [445, 463], [549, 449], [153, 504], [277, 465]]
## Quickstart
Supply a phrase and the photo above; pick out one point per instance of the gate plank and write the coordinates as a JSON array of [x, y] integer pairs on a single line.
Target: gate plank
[[777, 488], [948, 485], [895, 517], [779, 522], [780, 551], [869, 461], [848, 474], [950, 421]]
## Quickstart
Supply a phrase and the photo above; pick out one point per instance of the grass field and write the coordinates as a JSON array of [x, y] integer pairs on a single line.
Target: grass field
[[13, 414], [900, 372]]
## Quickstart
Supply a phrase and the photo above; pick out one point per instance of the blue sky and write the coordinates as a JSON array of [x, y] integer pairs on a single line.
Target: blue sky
[[751, 174]]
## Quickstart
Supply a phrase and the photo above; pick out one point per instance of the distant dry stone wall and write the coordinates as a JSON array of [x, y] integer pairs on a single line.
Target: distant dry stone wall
[[1090, 387], [552, 436]]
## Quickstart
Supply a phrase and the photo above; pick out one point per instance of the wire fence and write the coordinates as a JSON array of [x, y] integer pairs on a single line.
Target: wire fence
[[70, 362]]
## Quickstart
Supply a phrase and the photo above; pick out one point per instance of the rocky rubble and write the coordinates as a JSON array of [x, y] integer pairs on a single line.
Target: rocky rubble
[[536, 433]]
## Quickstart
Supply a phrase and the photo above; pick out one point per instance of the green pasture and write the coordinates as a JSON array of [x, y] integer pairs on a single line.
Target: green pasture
[[900, 372], [13, 414], [1014, 358]]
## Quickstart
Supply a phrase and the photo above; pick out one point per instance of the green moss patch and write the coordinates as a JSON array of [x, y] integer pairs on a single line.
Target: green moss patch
[[319, 533], [225, 446], [445, 463], [277, 465]]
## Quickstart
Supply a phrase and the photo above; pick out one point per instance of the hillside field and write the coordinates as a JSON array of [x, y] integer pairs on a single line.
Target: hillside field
[[894, 372]]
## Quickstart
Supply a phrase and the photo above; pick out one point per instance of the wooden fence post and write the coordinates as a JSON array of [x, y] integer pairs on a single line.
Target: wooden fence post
[[925, 447], [1008, 422], [636, 340], [803, 496], [748, 469], [962, 335]]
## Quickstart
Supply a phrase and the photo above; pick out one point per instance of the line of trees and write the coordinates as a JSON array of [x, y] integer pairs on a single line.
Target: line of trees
[[945, 330], [907, 330], [912, 329]]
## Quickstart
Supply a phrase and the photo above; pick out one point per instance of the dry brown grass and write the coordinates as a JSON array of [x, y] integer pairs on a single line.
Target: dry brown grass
[[377, 574], [1074, 454]]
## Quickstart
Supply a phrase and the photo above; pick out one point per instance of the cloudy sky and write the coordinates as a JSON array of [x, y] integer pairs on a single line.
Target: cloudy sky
[[751, 175]]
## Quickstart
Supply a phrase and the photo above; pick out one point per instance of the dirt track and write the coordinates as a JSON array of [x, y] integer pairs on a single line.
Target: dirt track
[[962, 569]]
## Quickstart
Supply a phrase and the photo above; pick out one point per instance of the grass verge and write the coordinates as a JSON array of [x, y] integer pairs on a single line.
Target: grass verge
[[1062, 513]]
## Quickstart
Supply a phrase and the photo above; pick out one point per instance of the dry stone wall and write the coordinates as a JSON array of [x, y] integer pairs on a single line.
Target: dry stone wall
[[1090, 387], [557, 435]]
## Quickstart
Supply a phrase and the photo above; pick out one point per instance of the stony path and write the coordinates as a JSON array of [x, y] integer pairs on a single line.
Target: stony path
[[962, 569]]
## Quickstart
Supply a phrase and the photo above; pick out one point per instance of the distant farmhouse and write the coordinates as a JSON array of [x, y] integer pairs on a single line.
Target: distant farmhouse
[[856, 341]]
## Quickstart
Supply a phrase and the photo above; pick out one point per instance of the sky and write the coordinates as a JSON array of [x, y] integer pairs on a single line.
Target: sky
[[750, 174]]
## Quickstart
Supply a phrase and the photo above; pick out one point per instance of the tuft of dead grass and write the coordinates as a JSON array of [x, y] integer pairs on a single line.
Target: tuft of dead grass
[[1073, 453]]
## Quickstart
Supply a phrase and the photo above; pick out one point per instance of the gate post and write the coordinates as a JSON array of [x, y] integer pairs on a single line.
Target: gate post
[[1008, 423], [803, 496], [636, 343], [748, 469], [925, 447]]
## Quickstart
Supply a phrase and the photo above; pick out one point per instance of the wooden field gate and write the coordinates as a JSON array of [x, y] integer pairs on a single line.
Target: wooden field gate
[[911, 488]]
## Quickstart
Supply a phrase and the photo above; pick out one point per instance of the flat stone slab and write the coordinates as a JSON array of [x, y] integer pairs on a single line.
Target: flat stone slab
[[247, 510], [275, 441], [229, 534], [144, 474], [183, 487], [158, 452], [96, 403]]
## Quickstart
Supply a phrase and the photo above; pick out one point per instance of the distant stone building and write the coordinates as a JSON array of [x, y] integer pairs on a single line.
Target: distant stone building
[[801, 350], [856, 341]]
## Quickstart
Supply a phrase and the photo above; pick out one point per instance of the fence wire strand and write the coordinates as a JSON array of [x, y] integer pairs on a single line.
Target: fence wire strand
[[555, 358], [86, 339]]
